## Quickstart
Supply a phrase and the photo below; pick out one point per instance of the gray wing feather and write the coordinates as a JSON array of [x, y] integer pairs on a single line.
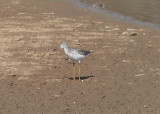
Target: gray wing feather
[[83, 52]]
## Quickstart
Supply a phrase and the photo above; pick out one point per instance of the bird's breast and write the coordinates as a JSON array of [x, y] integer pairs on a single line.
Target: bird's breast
[[75, 56]]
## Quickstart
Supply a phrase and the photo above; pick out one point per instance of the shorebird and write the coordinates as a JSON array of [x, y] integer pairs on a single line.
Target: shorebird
[[75, 54]]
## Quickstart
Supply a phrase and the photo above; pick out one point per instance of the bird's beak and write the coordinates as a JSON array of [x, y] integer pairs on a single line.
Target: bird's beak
[[55, 49]]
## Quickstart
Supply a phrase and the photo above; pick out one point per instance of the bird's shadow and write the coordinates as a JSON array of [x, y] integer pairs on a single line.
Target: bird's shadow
[[82, 78]]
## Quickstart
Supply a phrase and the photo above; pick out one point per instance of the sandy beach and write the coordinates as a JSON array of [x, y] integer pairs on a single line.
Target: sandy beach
[[121, 76]]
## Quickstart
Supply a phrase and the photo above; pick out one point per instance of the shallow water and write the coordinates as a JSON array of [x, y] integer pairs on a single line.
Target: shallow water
[[144, 12]]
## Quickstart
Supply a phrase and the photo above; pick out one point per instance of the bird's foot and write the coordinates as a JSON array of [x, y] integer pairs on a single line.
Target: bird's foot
[[76, 79]]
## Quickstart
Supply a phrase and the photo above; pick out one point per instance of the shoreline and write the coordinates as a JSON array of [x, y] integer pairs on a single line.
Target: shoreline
[[115, 15], [121, 75]]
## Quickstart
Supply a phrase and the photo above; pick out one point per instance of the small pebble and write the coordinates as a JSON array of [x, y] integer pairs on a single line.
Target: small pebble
[[133, 34], [145, 106]]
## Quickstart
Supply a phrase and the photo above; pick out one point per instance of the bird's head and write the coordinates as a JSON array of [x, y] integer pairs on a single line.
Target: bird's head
[[64, 45]]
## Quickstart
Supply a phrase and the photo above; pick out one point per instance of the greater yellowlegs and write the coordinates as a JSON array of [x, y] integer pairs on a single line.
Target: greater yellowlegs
[[75, 54]]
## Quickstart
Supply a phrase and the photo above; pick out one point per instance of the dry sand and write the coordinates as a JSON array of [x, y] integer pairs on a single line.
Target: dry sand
[[121, 76]]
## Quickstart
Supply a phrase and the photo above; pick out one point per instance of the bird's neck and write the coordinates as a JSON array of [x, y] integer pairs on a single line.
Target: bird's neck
[[66, 50]]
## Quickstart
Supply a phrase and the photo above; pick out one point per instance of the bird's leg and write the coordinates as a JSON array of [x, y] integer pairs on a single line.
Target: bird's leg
[[79, 71], [74, 77]]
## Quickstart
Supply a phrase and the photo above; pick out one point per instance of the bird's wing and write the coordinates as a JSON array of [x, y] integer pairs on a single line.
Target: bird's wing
[[83, 52]]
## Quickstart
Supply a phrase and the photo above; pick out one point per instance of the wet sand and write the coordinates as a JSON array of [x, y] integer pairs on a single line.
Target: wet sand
[[122, 74]]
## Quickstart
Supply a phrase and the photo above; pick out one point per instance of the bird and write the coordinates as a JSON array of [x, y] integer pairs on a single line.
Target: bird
[[75, 54]]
